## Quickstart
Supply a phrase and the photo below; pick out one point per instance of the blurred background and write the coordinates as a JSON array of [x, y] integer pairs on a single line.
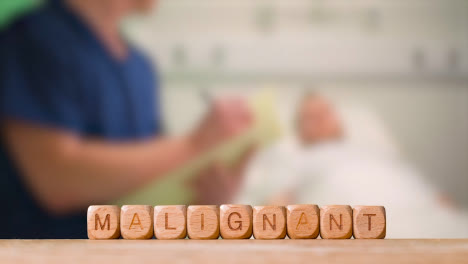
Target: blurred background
[[396, 72], [405, 61]]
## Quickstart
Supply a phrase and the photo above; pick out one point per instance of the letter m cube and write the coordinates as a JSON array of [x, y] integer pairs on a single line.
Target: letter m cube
[[103, 222]]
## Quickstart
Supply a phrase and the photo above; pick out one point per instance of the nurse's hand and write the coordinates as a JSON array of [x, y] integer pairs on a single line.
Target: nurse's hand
[[219, 183], [226, 119]]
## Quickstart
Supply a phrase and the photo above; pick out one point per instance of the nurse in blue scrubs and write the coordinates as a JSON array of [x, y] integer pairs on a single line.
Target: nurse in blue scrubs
[[80, 119]]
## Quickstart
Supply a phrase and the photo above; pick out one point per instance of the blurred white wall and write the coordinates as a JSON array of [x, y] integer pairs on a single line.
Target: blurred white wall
[[405, 60]]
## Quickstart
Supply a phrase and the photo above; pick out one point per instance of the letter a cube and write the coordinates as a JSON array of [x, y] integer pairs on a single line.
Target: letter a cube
[[303, 221], [136, 221]]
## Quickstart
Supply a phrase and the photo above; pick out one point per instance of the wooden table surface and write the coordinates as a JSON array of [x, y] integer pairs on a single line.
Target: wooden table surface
[[235, 251]]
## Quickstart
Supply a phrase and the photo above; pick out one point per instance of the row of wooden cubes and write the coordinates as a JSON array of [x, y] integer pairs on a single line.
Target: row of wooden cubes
[[235, 222]]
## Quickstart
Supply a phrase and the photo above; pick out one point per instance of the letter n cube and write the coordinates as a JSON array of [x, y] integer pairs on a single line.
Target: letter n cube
[[269, 222]]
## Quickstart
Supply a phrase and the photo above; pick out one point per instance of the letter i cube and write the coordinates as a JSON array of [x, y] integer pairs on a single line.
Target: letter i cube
[[203, 221]]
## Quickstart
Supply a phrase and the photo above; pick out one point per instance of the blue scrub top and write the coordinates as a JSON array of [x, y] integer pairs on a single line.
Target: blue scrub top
[[55, 73]]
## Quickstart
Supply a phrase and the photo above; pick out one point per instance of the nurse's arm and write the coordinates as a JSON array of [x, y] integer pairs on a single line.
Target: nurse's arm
[[66, 173]]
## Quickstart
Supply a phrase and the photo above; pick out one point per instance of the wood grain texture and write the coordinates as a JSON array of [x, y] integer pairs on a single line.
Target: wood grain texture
[[136, 221], [269, 222], [103, 222], [336, 222], [369, 222], [235, 221], [203, 221], [303, 221], [170, 221], [317, 251]]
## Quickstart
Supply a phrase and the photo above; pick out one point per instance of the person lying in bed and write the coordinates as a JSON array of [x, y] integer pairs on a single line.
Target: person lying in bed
[[345, 155]]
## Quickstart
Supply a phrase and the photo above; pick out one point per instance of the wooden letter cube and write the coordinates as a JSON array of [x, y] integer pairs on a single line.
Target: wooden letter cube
[[170, 222], [303, 221], [369, 222], [203, 221], [103, 222], [269, 222], [136, 221], [336, 221], [235, 221]]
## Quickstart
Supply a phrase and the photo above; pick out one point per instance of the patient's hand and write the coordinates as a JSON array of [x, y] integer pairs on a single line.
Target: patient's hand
[[219, 183]]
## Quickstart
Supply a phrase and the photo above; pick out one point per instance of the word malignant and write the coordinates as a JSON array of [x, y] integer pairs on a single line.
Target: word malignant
[[231, 221]]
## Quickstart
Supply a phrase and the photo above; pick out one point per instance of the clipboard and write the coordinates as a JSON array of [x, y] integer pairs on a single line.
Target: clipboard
[[172, 189]]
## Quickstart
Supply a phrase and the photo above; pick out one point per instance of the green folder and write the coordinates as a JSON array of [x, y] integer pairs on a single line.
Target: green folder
[[172, 189], [11, 9]]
